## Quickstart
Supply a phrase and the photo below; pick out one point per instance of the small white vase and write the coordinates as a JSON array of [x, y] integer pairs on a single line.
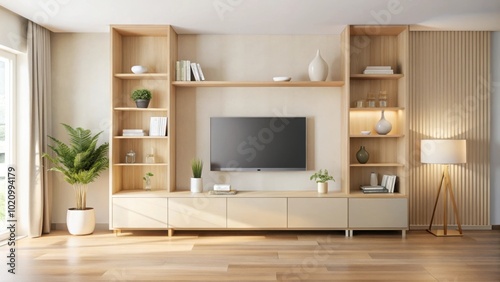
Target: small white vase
[[196, 185], [323, 187], [80, 222], [383, 126], [318, 68]]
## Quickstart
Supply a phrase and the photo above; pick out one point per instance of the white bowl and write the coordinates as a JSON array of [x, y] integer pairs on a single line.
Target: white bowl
[[282, 78], [365, 132], [139, 69]]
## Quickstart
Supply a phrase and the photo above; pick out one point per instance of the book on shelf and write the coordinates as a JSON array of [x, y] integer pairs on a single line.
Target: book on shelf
[[378, 70], [387, 185], [158, 126], [133, 132], [374, 189], [186, 70]]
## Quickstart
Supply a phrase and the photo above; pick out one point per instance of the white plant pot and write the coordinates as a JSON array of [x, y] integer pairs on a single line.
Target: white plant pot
[[80, 222], [323, 187], [196, 185]]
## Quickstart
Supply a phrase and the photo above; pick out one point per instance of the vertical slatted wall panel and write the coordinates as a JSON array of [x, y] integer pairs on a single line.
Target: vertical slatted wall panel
[[450, 98]]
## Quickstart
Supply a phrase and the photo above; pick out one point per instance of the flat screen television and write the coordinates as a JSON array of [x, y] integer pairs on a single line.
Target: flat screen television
[[257, 143]]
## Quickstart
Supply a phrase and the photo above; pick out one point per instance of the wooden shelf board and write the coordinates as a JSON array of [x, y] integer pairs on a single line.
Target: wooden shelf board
[[376, 136], [378, 165], [258, 83], [377, 30], [377, 76], [140, 137], [130, 109], [141, 164], [142, 76], [394, 109], [360, 194]]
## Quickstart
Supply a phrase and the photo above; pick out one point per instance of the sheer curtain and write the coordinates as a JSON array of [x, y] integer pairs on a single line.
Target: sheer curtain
[[40, 91]]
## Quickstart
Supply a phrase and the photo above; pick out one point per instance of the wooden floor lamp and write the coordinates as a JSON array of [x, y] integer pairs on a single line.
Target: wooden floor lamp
[[445, 152]]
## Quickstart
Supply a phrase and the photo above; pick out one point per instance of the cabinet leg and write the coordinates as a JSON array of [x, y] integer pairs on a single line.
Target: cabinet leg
[[347, 234], [170, 232], [117, 232], [403, 234], [351, 233]]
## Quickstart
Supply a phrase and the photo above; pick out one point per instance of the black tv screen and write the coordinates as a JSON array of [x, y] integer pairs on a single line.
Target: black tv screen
[[257, 143]]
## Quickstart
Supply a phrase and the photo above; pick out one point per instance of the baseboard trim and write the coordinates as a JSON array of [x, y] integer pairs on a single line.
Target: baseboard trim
[[464, 227], [62, 226]]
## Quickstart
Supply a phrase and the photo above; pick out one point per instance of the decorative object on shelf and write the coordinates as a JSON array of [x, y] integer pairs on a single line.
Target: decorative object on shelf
[[81, 162], [382, 99], [365, 132], [373, 179], [359, 103], [196, 181], [371, 101], [147, 181], [139, 69], [321, 177], [130, 157], [150, 158], [318, 68], [445, 152], [141, 97], [383, 126], [362, 155], [282, 78]]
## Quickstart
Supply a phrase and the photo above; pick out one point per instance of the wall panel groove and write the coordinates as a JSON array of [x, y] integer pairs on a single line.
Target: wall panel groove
[[450, 99]]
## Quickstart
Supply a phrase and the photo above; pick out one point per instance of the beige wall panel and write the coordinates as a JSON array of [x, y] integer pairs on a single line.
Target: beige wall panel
[[449, 98]]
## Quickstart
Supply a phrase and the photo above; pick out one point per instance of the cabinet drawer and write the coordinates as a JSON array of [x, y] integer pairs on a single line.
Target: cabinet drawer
[[197, 212], [256, 212], [380, 213], [147, 213], [317, 213]]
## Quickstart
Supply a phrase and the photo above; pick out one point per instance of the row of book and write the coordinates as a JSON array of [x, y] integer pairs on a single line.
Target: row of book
[[386, 186], [186, 70], [157, 127], [378, 70]]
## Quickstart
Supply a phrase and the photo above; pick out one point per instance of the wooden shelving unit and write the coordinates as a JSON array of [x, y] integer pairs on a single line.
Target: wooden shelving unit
[[258, 83]]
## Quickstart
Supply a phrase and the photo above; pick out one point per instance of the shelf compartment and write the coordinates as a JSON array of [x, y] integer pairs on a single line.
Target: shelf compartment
[[376, 136], [129, 109], [141, 164], [140, 137], [376, 109], [378, 165], [162, 76], [258, 83], [360, 76]]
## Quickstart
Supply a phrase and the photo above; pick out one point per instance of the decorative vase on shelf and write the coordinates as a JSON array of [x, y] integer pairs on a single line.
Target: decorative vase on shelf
[[383, 126], [318, 68], [322, 187], [196, 185], [362, 155]]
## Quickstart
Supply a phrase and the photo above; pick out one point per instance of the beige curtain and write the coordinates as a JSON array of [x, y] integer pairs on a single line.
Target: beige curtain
[[40, 77]]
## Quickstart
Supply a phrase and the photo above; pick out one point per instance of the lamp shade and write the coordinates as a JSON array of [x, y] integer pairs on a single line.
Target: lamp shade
[[443, 151]]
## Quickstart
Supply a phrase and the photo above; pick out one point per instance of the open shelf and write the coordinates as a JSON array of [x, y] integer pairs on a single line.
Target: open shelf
[[140, 164], [258, 83], [140, 137], [378, 165], [141, 76], [376, 136], [130, 109], [377, 76], [364, 109]]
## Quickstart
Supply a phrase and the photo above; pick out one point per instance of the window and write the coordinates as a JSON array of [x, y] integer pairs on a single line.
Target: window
[[7, 76]]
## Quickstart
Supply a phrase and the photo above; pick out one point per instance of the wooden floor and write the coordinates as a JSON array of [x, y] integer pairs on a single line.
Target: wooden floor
[[256, 256]]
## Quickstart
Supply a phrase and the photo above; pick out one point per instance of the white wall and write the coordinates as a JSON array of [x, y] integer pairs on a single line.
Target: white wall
[[80, 98], [13, 29], [495, 129], [259, 58]]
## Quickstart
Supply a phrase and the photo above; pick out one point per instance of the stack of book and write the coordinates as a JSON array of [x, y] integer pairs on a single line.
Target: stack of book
[[158, 126], [378, 70], [133, 132], [186, 70], [386, 186]]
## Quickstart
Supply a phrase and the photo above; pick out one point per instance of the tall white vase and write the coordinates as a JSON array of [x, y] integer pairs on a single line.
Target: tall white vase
[[318, 68], [383, 126]]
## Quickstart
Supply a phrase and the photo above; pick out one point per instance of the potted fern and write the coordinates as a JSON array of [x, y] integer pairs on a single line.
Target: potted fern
[[196, 181], [81, 162], [322, 177]]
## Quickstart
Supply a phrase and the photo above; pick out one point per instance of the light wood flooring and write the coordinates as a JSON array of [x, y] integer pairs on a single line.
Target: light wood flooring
[[256, 256]]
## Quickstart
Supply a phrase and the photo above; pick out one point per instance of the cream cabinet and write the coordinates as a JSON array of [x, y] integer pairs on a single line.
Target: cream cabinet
[[256, 212], [139, 213], [317, 213], [378, 213], [197, 212]]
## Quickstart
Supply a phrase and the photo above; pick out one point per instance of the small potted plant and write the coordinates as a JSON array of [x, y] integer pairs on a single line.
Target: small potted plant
[[321, 177], [196, 182], [141, 97], [147, 181]]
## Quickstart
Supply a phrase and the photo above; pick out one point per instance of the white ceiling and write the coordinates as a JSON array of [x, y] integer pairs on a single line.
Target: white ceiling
[[258, 16]]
